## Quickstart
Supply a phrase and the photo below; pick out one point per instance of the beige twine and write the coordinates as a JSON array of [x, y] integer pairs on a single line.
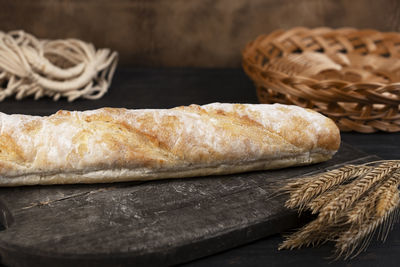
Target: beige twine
[[55, 68]]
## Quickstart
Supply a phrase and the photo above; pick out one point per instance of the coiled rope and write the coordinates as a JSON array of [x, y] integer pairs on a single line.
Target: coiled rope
[[55, 68]]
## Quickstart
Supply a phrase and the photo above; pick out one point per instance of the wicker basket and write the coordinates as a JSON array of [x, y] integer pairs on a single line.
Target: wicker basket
[[352, 76]]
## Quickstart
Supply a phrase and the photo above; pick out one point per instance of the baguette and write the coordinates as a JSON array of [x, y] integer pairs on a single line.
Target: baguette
[[114, 145]]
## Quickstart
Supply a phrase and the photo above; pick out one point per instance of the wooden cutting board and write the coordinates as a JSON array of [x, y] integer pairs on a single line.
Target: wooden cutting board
[[146, 223]]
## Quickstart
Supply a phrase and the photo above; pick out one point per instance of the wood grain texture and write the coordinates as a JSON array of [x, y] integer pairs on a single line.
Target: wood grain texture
[[146, 224], [187, 33]]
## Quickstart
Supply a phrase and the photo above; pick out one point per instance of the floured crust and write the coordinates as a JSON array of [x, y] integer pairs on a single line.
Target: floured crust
[[111, 145]]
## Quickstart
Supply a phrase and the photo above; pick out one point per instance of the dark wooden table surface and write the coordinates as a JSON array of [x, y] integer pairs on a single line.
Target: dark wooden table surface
[[164, 88]]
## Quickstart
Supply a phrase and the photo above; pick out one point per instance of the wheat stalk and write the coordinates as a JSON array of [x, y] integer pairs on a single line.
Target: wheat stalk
[[350, 240], [352, 203]]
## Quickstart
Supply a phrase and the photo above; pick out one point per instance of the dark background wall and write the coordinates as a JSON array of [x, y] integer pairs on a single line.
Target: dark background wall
[[206, 33]]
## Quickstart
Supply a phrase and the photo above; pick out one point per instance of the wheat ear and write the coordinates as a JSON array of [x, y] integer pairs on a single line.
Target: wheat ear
[[357, 188], [322, 200], [318, 184], [359, 235], [311, 234], [365, 208]]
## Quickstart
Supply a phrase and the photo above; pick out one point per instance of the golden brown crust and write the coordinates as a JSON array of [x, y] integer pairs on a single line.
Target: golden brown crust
[[86, 147]]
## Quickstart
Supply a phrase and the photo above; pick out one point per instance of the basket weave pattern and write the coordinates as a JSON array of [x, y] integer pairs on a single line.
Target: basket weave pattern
[[351, 76]]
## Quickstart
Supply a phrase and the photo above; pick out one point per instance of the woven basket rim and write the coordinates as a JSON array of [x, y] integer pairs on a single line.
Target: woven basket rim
[[322, 30], [372, 43]]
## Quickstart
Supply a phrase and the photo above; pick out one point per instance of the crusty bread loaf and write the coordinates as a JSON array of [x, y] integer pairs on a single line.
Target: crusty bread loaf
[[111, 145]]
